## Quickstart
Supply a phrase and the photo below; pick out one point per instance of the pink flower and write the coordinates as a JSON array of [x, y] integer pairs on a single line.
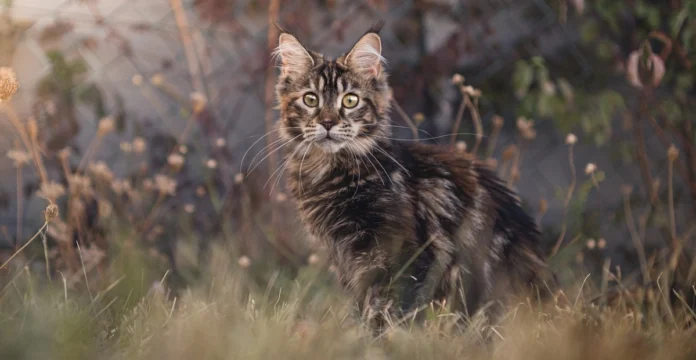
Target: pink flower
[[653, 70]]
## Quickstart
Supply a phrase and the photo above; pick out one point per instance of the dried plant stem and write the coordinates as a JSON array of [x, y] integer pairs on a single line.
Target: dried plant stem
[[187, 41], [20, 205], [45, 248], [672, 217], [493, 141], [642, 155], [458, 121], [473, 108], [28, 143], [25, 245], [273, 34], [566, 202], [637, 243], [407, 119]]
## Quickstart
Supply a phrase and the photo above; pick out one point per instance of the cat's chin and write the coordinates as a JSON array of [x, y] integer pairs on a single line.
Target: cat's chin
[[330, 146]]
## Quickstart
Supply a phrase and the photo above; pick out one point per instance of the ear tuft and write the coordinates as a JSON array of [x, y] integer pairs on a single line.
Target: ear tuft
[[294, 58], [366, 55]]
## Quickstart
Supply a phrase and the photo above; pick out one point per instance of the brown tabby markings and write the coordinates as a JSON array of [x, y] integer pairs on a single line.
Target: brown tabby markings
[[404, 224]]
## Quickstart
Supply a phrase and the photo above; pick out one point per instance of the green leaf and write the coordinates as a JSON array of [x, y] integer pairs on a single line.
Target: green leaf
[[677, 21], [589, 31], [522, 78]]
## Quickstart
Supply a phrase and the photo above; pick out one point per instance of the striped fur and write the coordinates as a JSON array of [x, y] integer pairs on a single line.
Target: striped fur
[[404, 224]]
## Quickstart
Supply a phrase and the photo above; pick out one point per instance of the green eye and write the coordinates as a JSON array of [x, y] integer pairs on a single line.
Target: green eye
[[350, 101], [310, 100]]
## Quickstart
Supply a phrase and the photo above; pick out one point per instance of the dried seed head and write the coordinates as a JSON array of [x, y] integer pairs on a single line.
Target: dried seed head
[[591, 244], [137, 80], [418, 118], [64, 153], [200, 191], [571, 139], [239, 178], [526, 128], [211, 164], [183, 149], [281, 197], [672, 153], [80, 186], [198, 102], [601, 243], [106, 125], [51, 190], [458, 79], [220, 142], [8, 83], [126, 147], [120, 186], [471, 91], [148, 184], [101, 171], [139, 145], [461, 146], [51, 212], [189, 208], [20, 157], [313, 259], [165, 184], [157, 79], [590, 168], [176, 161], [244, 262]]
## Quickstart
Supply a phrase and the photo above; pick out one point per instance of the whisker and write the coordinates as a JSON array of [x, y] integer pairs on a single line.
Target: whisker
[[287, 162], [267, 147], [269, 154], [283, 165], [394, 160], [309, 146], [241, 164], [430, 138]]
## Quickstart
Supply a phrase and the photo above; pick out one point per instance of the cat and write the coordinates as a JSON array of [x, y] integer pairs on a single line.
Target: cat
[[404, 224]]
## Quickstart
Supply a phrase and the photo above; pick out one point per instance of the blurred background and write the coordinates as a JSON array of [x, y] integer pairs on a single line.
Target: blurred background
[[141, 112]]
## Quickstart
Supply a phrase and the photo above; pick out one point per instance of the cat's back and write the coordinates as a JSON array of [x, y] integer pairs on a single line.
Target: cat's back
[[467, 194]]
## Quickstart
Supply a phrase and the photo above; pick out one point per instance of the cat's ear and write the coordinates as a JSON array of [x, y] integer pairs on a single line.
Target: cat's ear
[[294, 58], [366, 55]]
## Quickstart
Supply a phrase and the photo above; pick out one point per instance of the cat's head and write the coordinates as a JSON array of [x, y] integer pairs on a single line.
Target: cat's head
[[335, 105]]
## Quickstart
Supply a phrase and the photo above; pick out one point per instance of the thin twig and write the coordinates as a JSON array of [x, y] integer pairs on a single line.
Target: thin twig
[[637, 243], [473, 108], [566, 202], [407, 119], [187, 42], [458, 121], [24, 246]]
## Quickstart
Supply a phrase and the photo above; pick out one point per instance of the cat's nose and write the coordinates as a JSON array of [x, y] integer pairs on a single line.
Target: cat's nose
[[327, 124]]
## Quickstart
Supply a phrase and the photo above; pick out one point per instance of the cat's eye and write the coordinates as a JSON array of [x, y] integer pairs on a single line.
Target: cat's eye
[[310, 100], [350, 101]]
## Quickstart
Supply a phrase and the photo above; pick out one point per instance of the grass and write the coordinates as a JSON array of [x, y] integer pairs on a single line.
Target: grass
[[256, 311]]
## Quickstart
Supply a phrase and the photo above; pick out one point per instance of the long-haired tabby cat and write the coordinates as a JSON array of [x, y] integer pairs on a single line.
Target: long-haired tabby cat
[[405, 224]]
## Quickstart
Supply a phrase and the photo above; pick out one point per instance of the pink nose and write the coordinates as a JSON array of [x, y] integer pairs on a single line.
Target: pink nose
[[327, 124]]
